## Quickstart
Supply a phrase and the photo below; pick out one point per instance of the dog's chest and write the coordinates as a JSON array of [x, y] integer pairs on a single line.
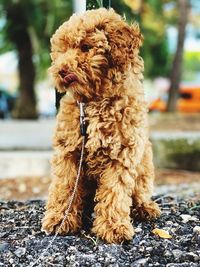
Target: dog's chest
[[103, 130]]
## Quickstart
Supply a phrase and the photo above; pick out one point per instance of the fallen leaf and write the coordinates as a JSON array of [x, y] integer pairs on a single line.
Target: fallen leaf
[[161, 233]]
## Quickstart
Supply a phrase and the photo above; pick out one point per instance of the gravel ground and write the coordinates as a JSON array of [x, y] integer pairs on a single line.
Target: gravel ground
[[21, 241]]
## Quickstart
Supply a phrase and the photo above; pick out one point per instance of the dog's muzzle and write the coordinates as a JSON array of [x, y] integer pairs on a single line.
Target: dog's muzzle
[[67, 77]]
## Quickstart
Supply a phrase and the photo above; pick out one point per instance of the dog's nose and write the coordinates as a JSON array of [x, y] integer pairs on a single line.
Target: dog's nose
[[62, 73]]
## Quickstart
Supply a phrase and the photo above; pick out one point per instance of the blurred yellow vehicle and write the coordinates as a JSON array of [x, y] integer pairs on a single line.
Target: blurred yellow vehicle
[[188, 101]]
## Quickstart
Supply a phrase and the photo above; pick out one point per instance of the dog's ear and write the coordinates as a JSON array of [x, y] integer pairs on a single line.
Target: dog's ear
[[124, 41]]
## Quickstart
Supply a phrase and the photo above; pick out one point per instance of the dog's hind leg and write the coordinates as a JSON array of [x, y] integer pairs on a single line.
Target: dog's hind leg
[[112, 211], [143, 206], [60, 191]]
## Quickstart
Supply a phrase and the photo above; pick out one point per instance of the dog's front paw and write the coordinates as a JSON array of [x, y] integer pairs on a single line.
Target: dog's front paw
[[53, 222], [146, 210], [114, 232]]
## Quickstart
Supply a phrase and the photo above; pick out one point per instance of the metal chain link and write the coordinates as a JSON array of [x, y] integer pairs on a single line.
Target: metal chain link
[[68, 207]]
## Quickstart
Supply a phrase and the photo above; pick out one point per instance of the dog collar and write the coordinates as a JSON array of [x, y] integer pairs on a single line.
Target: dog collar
[[83, 126]]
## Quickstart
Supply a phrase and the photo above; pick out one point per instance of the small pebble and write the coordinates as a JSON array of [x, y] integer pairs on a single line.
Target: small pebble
[[196, 229], [3, 246], [169, 223], [149, 249], [192, 256], [177, 253], [167, 253], [139, 262], [20, 252], [138, 230], [11, 260], [186, 218]]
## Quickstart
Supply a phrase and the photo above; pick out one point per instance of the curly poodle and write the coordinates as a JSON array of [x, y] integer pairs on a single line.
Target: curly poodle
[[95, 60]]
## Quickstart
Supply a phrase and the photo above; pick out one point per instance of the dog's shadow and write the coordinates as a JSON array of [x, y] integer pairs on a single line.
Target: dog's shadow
[[89, 204]]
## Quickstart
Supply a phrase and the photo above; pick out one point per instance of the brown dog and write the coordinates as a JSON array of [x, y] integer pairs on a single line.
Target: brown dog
[[95, 60]]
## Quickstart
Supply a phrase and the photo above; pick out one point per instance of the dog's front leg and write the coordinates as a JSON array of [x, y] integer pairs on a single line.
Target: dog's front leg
[[112, 211], [65, 173], [143, 190]]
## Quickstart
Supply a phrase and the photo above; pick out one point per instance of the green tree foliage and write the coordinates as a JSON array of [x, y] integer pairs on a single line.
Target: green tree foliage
[[43, 17], [17, 33], [27, 28], [191, 64], [150, 15], [93, 4]]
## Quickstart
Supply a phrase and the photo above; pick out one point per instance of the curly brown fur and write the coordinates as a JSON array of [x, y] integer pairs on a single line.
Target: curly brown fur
[[95, 60]]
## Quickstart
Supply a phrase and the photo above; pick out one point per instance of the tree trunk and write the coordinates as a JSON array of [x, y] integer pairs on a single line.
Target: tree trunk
[[18, 33], [176, 71]]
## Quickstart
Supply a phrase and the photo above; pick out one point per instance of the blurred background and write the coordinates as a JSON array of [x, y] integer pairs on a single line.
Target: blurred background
[[171, 52]]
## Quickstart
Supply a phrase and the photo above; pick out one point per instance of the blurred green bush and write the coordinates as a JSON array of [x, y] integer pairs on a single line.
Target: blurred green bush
[[191, 65]]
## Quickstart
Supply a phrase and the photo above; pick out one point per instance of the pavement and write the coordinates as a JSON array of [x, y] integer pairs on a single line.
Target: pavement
[[25, 146], [26, 135]]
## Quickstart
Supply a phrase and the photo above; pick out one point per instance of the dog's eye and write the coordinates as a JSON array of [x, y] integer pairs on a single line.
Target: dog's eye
[[85, 48]]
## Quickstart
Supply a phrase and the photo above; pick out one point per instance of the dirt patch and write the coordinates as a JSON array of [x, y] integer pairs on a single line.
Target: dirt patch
[[176, 177], [24, 188], [174, 122]]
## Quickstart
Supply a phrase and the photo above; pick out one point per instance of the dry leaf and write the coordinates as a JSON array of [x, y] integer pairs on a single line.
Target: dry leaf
[[161, 233]]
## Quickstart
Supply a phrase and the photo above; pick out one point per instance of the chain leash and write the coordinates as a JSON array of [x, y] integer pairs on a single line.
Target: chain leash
[[71, 198]]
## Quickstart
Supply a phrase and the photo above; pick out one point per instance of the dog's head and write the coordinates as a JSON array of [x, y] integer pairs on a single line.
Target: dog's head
[[93, 50]]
